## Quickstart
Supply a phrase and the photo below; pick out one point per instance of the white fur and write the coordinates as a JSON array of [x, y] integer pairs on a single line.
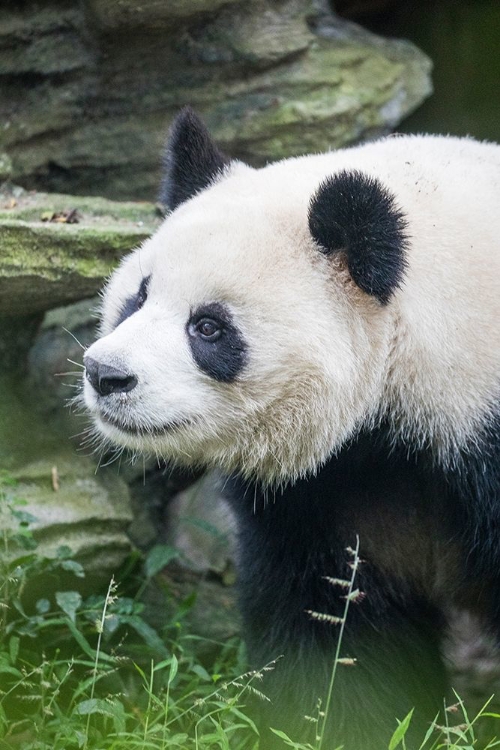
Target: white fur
[[324, 357]]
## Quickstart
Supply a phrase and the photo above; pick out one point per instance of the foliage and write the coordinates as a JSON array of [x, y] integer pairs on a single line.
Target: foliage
[[91, 674]]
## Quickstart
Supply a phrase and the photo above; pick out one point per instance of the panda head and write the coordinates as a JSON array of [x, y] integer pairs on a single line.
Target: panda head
[[251, 332]]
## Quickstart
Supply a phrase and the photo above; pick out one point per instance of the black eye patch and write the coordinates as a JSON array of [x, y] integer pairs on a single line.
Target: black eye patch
[[134, 303], [217, 345]]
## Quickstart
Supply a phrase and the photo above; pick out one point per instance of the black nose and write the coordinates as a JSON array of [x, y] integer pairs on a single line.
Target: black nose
[[105, 379]]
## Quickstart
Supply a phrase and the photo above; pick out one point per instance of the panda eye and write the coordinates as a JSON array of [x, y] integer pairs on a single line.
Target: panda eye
[[206, 328], [217, 345]]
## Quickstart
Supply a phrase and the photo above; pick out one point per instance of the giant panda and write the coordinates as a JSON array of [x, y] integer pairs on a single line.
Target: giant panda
[[325, 331]]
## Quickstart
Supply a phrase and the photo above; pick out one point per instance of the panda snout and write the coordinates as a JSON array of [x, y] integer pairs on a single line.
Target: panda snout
[[106, 379]]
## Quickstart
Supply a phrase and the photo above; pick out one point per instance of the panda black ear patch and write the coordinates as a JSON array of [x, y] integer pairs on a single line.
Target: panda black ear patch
[[192, 159], [355, 214]]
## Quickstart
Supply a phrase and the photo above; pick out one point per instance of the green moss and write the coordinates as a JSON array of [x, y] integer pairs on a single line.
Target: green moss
[[46, 264], [328, 98], [30, 206]]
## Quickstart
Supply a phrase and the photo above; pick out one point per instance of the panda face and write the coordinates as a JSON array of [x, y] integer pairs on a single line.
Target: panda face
[[209, 358], [232, 338]]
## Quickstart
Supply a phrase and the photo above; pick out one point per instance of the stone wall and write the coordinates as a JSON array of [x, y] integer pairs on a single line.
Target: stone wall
[[87, 89]]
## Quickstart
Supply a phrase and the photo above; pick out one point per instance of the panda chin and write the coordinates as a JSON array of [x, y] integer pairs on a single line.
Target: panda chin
[[140, 431]]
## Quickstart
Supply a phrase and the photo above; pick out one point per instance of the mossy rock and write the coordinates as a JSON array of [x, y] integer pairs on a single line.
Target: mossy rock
[[56, 249], [273, 79]]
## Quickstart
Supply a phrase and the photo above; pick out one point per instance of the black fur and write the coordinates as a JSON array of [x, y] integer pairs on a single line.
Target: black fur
[[393, 498], [356, 215], [134, 303], [224, 358], [191, 162]]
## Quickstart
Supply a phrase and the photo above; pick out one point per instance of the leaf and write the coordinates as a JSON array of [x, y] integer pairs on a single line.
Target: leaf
[[161, 665], [245, 719], [4, 669], [24, 540], [400, 731], [112, 708], [85, 645], [63, 552], [5, 666], [147, 633], [178, 740], [199, 670], [174, 666], [158, 557], [69, 602], [81, 738], [14, 642], [111, 624], [429, 732], [18, 565], [42, 606], [286, 739], [73, 567], [24, 517]]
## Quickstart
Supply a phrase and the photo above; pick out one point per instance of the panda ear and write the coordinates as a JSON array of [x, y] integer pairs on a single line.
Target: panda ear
[[191, 160], [354, 214]]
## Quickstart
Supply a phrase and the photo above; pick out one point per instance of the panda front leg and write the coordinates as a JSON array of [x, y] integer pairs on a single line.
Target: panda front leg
[[390, 651]]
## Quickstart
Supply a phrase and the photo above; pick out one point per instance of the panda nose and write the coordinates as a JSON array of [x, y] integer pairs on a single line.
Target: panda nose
[[106, 379]]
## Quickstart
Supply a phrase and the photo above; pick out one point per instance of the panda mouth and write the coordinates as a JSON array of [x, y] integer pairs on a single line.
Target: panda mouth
[[141, 430]]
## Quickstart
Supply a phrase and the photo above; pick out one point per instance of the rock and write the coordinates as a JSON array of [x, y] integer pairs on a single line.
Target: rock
[[74, 506], [106, 77], [5, 166], [201, 526], [47, 260], [256, 34], [113, 14]]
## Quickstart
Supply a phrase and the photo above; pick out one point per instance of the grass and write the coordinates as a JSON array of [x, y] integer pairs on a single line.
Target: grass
[[91, 673]]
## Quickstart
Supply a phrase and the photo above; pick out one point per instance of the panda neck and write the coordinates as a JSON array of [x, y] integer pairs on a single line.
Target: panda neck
[[374, 486]]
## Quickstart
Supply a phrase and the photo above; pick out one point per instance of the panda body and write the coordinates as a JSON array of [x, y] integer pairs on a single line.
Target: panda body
[[325, 331]]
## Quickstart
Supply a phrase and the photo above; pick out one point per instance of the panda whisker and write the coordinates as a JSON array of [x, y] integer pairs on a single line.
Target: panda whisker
[[75, 338], [116, 455], [78, 364], [100, 456], [83, 434]]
